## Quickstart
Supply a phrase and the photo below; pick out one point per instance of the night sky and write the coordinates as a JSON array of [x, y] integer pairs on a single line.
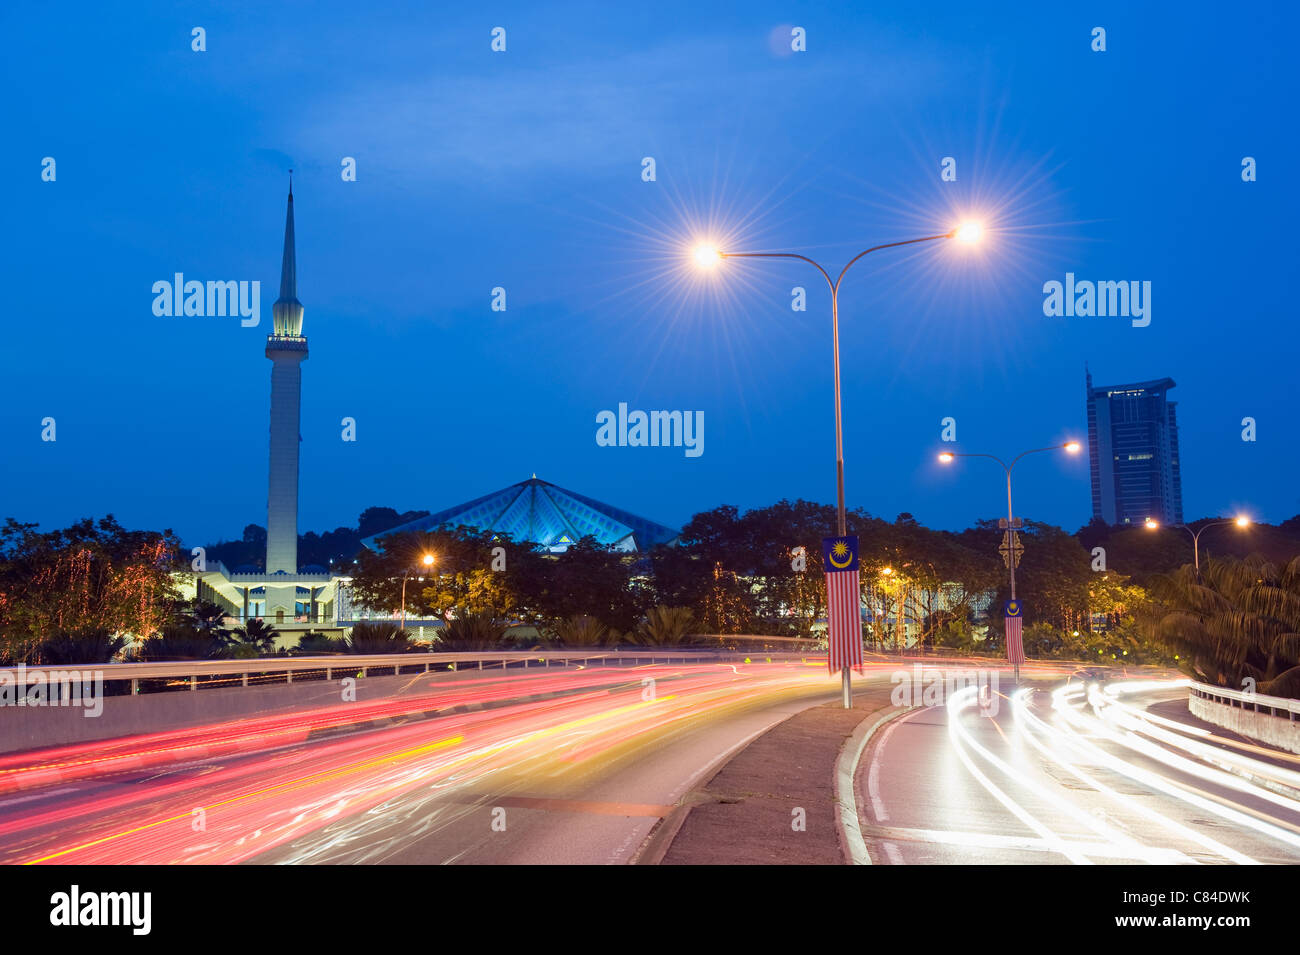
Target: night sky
[[523, 170]]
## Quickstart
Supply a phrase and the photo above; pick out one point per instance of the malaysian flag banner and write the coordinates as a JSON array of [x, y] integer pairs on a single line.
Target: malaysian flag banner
[[1013, 612], [843, 602]]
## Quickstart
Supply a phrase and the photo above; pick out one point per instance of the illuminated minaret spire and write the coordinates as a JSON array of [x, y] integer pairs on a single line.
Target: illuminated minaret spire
[[287, 349]]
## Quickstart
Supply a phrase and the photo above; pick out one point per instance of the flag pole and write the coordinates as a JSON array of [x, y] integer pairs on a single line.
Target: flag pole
[[845, 679]]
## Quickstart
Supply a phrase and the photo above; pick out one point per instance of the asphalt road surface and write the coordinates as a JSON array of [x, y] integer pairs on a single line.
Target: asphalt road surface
[[1076, 773], [558, 766]]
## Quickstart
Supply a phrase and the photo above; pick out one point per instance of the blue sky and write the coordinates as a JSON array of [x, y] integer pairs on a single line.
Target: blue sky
[[523, 170]]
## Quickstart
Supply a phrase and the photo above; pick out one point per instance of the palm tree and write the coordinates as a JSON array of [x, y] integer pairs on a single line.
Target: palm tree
[[665, 626], [255, 639], [378, 637], [1239, 620], [579, 630], [473, 631]]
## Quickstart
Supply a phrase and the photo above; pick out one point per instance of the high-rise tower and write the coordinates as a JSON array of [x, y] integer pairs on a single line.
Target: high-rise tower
[[1133, 446], [287, 349]]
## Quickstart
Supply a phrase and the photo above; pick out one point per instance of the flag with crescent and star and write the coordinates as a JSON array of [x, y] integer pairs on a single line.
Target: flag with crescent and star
[[843, 602], [1013, 612]]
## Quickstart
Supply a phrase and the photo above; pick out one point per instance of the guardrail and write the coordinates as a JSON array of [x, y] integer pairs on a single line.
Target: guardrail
[[1272, 705], [212, 671]]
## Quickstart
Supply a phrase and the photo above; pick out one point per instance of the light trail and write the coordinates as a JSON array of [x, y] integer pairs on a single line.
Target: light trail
[[1117, 842], [1056, 752], [232, 791], [1083, 726]]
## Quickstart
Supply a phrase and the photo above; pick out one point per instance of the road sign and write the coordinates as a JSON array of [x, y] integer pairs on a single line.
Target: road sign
[[1011, 548], [1015, 522]]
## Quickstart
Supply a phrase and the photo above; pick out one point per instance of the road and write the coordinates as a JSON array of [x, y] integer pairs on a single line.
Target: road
[[554, 766], [1072, 773], [578, 765]]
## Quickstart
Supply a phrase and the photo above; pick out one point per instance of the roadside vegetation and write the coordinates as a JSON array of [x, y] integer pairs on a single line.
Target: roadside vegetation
[[96, 591]]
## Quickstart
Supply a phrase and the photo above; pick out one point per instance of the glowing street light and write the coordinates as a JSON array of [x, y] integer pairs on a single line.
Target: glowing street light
[[1070, 447], [427, 560], [1241, 520], [708, 257]]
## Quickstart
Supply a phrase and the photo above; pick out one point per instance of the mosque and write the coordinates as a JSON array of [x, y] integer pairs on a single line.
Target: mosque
[[297, 599]]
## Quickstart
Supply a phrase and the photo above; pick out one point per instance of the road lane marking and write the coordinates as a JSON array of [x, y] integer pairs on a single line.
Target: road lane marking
[[846, 772], [873, 776], [993, 840]]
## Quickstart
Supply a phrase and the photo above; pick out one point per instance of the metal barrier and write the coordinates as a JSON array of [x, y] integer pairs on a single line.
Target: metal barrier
[[1278, 706], [360, 663]]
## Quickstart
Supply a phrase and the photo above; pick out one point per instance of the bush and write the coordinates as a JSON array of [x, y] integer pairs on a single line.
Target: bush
[[86, 646], [665, 627], [579, 630], [371, 636], [956, 634], [1285, 684], [1042, 640], [179, 642], [475, 631], [312, 644]]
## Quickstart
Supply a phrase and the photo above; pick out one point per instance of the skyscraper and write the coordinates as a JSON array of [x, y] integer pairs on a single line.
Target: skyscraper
[[287, 348], [1133, 452]]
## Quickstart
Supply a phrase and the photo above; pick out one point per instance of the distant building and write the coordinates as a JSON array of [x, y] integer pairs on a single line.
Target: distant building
[[297, 599], [291, 598], [544, 514], [1133, 452]]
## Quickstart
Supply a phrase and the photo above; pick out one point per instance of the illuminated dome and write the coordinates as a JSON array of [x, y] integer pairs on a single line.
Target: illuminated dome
[[538, 511]]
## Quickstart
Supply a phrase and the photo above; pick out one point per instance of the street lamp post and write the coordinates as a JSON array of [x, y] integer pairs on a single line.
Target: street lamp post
[[707, 257], [1152, 524], [427, 560], [946, 457]]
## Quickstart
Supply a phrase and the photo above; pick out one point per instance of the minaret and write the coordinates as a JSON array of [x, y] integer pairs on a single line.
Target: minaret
[[287, 349]]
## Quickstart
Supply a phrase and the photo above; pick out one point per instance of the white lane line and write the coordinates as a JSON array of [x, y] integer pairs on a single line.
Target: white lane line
[[992, 840], [878, 809], [1049, 838], [846, 771]]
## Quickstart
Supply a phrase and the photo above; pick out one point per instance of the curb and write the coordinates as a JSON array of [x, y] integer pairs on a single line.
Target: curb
[[846, 770], [663, 833]]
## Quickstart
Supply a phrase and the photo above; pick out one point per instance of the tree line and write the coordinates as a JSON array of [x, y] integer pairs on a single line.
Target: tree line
[[1115, 594]]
